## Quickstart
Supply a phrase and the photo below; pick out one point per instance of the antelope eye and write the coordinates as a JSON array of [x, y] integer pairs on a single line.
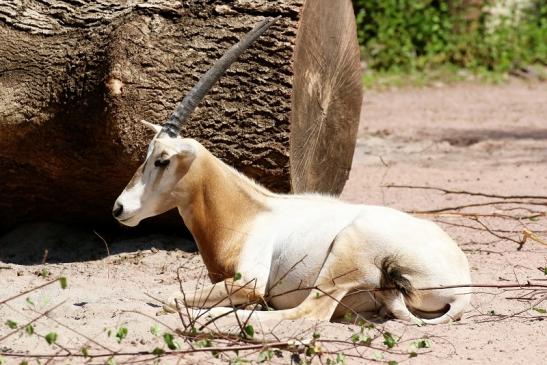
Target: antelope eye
[[161, 163]]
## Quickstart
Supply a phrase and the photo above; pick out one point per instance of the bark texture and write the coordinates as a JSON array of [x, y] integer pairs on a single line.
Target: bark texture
[[76, 76]]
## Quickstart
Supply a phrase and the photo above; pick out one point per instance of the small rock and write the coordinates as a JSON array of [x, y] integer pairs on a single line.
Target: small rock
[[223, 9]]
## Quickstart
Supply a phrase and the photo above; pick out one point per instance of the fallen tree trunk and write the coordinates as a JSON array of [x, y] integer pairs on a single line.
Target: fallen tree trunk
[[76, 76]]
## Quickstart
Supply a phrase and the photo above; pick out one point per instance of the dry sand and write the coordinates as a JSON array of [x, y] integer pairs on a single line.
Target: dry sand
[[491, 139]]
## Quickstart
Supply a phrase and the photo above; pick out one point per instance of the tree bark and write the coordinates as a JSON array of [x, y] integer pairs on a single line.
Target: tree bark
[[76, 76]]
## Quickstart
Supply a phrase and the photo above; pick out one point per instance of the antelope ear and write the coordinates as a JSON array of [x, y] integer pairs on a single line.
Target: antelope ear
[[156, 128]]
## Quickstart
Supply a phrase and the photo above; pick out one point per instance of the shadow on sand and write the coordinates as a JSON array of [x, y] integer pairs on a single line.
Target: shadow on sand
[[44, 242]]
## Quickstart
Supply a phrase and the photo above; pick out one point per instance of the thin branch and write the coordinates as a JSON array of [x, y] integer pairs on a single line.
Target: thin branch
[[458, 207], [29, 291], [464, 192], [31, 322], [281, 344]]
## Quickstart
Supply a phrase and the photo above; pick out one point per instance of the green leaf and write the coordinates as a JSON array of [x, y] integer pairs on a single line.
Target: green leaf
[[237, 276], [24, 362], [313, 350], [316, 335], [170, 341], [2, 361], [29, 301], [265, 355], [348, 317], [44, 273], [85, 351], [155, 330], [51, 338], [389, 340], [158, 352], [63, 282], [121, 334], [422, 344], [413, 354], [11, 324], [361, 338], [29, 329], [340, 359], [249, 331], [111, 361], [540, 310], [392, 362]]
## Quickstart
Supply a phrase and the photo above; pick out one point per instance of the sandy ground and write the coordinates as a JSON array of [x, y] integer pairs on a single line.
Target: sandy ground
[[490, 139]]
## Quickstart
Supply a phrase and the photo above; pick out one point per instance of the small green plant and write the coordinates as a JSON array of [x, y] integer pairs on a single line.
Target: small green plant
[[361, 338], [348, 316], [265, 355], [51, 338], [44, 273], [169, 340], [389, 340], [11, 324], [121, 334], [422, 344], [158, 351], [340, 359], [29, 329], [249, 331], [155, 329]]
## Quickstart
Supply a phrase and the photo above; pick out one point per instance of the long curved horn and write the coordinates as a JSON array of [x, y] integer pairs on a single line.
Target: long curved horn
[[174, 124]]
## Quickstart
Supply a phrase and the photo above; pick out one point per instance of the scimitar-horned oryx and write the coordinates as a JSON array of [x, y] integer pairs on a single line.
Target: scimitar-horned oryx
[[305, 255]]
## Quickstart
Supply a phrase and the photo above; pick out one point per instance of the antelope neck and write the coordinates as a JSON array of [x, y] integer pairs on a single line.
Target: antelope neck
[[218, 209]]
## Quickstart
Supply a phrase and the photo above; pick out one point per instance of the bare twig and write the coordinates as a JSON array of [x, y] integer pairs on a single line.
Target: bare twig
[[44, 314], [464, 192], [463, 206], [105, 244], [29, 291]]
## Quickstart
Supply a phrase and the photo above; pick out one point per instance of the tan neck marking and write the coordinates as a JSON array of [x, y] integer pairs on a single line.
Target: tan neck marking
[[218, 205]]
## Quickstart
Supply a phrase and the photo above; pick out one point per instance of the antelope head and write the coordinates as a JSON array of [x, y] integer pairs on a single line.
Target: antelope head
[[170, 156]]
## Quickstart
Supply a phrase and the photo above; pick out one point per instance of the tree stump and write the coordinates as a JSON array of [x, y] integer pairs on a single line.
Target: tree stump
[[77, 76]]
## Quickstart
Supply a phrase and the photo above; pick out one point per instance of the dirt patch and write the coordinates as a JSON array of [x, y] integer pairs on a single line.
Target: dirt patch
[[490, 139]]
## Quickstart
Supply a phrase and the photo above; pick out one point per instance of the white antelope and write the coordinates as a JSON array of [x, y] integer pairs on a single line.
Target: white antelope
[[304, 255]]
